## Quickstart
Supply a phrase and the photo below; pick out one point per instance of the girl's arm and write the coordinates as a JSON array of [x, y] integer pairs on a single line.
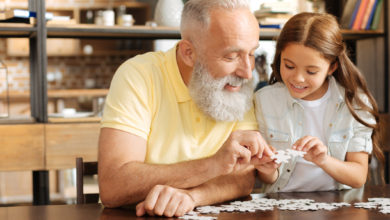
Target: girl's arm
[[267, 168], [351, 172], [271, 177]]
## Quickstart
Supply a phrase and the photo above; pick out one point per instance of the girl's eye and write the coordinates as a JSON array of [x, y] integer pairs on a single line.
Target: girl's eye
[[311, 72], [289, 67]]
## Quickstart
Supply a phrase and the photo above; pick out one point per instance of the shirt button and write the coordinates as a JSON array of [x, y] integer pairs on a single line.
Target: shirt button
[[278, 188], [271, 135], [288, 170], [330, 125], [345, 136]]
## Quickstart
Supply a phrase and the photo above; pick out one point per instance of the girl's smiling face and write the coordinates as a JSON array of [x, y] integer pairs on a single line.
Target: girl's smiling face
[[304, 71]]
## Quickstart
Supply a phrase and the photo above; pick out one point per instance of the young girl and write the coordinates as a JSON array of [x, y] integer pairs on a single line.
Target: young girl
[[318, 102]]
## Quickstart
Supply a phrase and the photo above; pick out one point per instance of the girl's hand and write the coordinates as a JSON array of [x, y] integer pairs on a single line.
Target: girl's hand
[[316, 151]]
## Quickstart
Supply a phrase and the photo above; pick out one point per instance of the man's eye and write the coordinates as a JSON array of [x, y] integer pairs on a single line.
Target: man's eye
[[230, 58]]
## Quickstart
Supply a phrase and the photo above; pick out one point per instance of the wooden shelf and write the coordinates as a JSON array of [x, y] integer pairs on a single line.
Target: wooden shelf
[[97, 5], [73, 120], [17, 120], [97, 31], [272, 34], [139, 31], [61, 93], [16, 30], [356, 35], [74, 93]]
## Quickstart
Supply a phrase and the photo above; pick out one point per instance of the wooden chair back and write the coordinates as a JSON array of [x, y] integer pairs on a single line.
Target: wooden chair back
[[84, 169], [385, 142]]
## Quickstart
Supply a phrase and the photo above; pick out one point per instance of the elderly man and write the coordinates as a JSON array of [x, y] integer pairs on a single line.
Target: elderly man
[[178, 129]]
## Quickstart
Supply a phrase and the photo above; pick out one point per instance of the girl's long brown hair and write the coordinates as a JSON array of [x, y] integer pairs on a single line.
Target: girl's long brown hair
[[321, 32]]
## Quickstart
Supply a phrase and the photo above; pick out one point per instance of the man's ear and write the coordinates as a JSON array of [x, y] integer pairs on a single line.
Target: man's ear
[[187, 52], [333, 67]]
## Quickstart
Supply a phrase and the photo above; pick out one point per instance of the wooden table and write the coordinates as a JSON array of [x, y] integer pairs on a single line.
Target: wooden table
[[98, 212]]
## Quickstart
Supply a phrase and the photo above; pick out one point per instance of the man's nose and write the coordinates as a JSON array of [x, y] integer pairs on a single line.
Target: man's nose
[[245, 68]]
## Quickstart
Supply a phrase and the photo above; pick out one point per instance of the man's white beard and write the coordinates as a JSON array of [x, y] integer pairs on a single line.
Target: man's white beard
[[211, 97]]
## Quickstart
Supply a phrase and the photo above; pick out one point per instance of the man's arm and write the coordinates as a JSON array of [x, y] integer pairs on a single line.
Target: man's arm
[[124, 178], [168, 201]]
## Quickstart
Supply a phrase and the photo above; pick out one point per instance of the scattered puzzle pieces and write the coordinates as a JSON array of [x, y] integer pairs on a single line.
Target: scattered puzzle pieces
[[382, 204], [264, 204], [282, 156]]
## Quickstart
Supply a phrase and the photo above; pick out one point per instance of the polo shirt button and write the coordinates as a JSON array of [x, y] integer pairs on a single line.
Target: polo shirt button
[[197, 119], [345, 136], [330, 125], [288, 170]]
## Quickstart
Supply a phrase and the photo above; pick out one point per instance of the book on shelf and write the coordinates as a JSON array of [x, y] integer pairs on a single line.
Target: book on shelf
[[272, 18], [367, 14], [20, 15], [371, 16], [271, 26], [350, 9], [355, 11], [361, 14], [378, 16]]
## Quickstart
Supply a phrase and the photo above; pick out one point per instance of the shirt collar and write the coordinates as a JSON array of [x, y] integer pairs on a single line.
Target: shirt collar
[[180, 88], [337, 95]]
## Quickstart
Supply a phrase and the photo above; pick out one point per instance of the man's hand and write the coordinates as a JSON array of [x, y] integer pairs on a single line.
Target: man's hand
[[166, 201], [266, 167], [317, 152], [237, 151]]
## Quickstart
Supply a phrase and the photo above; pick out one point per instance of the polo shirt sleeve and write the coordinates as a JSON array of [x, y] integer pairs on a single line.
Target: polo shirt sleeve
[[128, 103], [249, 122]]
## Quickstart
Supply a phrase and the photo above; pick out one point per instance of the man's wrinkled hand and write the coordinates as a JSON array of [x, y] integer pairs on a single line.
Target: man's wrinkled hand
[[238, 150], [166, 201]]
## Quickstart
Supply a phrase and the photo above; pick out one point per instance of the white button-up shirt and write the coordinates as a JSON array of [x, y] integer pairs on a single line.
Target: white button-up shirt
[[279, 117]]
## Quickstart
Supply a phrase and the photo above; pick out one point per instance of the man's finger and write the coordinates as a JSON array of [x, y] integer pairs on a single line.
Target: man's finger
[[163, 200], [151, 199], [268, 151], [172, 206], [140, 209]]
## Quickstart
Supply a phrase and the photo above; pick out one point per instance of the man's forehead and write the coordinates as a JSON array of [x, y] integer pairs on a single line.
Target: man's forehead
[[236, 49]]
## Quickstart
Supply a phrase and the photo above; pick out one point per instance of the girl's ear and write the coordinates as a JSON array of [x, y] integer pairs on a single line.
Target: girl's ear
[[333, 67], [187, 52]]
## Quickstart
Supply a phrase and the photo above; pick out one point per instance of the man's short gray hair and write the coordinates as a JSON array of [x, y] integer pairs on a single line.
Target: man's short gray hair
[[198, 11]]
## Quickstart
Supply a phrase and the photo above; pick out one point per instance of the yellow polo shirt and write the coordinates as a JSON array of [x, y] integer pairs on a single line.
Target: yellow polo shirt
[[148, 98]]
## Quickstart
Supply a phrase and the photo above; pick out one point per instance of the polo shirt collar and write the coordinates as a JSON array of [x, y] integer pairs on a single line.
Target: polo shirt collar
[[180, 88]]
